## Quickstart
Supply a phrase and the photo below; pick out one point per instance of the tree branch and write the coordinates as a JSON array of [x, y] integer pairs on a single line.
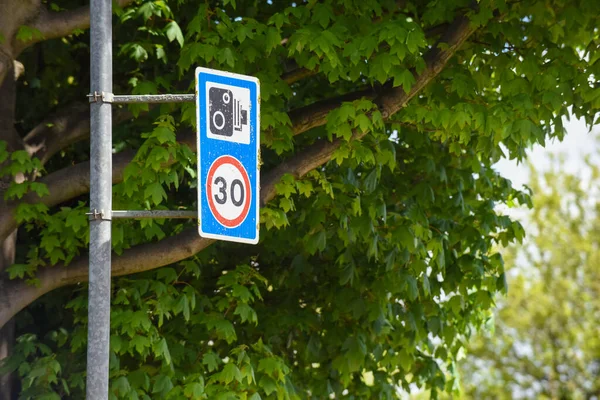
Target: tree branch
[[297, 74], [54, 25], [435, 60], [315, 114], [17, 294], [72, 123], [74, 181], [68, 126], [63, 185], [8, 133]]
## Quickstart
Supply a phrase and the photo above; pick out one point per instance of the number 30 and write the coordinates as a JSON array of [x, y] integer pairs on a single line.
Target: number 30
[[222, 199]]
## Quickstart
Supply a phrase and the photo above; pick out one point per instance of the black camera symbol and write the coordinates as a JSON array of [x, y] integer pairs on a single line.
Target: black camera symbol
[[225, 112]]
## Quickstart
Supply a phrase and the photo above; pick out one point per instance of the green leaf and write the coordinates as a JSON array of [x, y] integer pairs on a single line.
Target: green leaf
[[411, 285], [135, 51], [20, 156], [406, 360], [163, 135], [27, 34], [229, 373], [426, 286], [460, 118], [232, 2], [163, 385], [211, 361], [242, 293], [20, 271], [50, 242], [76, 220], [414, 40], [121, 386], [316, 242], [356, 350], [501, 284], [246, 313], [268, 384], [347, 275], [272, 39], [156, 192], [322, 14], [16, 190], [403, 77], [226, 56], [140, 343], [162, 350], [161, 54], [4, 154], [363, 122], [370, 183], [194, 390], [434, 325], [225, 330], [342, 152], [273, 367], [173, 32], [39, 188]]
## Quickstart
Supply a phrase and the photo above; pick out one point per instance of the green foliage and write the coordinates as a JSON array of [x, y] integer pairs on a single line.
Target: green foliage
[[373, 268], [28, 33], [18, 165], [547, 326]]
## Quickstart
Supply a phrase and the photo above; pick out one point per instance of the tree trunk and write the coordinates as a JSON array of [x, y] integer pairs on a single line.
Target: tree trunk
[[8, 246], [7, 333]]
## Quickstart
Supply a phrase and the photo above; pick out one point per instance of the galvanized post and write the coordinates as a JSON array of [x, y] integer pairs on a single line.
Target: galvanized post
[[100, 200]]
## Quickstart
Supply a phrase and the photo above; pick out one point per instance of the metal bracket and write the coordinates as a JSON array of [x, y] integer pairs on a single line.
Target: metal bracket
[[104, 97], [142, 214], [153, 98], [95, 215]]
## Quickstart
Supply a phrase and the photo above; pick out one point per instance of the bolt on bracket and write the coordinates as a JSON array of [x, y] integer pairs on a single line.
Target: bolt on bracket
[[95, 215], [104, 97]]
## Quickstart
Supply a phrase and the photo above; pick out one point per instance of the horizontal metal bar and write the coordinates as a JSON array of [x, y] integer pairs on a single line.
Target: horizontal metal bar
[[153, 98], [141, 214]]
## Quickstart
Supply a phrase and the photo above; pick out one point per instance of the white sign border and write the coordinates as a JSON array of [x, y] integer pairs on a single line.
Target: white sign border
[[200, 189]]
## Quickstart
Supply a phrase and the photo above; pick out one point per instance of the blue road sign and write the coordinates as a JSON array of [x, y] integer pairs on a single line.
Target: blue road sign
[[228, 125]]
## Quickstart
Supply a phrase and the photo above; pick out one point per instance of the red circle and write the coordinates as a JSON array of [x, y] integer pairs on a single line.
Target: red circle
[[229, 223]]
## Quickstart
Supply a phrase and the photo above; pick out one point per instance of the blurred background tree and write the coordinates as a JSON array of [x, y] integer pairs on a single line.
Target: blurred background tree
[[545, 340]]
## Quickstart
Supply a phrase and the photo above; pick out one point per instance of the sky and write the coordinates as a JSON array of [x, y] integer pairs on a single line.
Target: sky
[[578, 143]]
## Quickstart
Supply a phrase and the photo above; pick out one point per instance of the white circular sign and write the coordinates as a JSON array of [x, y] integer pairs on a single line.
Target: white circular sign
[[228, 191]]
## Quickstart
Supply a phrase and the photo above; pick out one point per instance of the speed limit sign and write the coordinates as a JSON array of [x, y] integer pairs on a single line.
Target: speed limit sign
[[228, 115], [228, 191]]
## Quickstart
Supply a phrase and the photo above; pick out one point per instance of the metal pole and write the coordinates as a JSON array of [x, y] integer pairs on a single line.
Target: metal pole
[[100, 201]]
